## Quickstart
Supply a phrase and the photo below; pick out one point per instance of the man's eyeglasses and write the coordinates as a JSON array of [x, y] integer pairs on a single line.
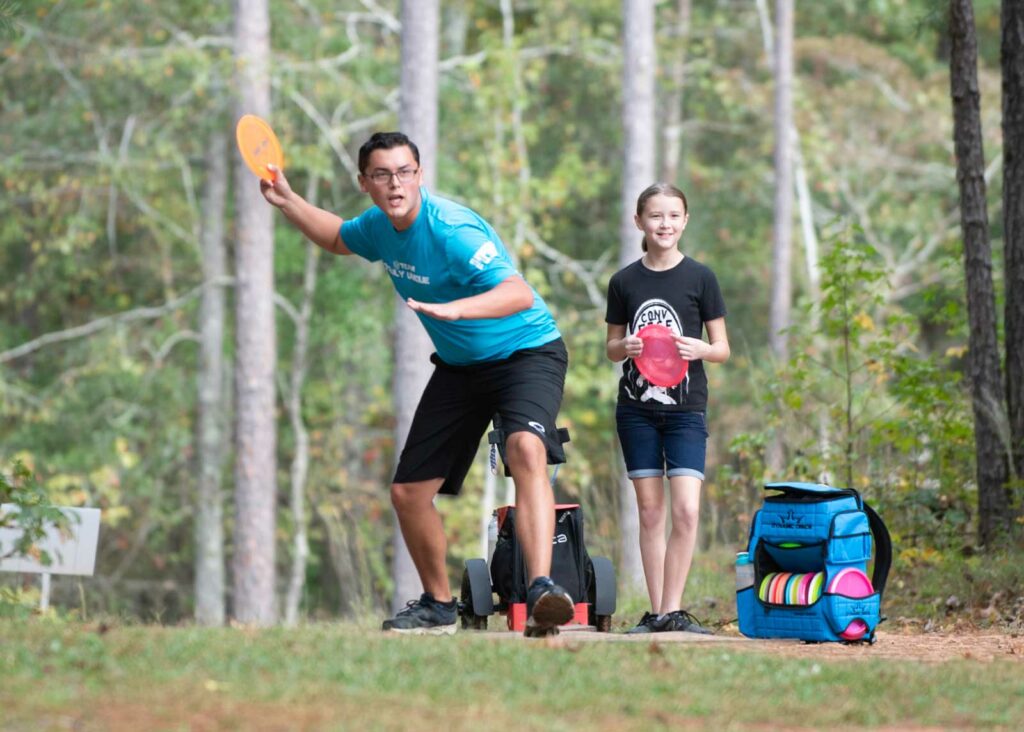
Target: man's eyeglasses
[[383, 177]]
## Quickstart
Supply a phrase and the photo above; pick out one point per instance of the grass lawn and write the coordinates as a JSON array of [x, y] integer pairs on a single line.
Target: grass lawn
[[60, 673], [64, 675]]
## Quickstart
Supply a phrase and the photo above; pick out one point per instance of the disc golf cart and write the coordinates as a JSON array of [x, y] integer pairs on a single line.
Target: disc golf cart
[[589, 580]]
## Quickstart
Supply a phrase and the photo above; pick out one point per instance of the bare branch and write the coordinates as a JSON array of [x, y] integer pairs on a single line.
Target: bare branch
[[329, 135], [166, 223], [83, 93], [330, 63], [80, 331], [167, 346], [381, 15], [122, 152], [588, 278], [282, 302]]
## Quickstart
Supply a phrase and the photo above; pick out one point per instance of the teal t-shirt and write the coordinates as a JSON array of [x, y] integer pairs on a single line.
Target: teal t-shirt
[[449, 253]]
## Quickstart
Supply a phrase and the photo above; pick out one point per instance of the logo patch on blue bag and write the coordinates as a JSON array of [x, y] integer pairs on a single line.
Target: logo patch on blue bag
[[790, 520]]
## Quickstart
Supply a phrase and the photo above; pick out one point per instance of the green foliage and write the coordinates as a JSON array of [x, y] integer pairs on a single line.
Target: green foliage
[[9, 10], [105, 113], [860, 404], [32, 513], [944, 587]]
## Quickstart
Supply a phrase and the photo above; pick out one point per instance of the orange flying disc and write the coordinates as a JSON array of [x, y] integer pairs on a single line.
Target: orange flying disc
[[258, 145]]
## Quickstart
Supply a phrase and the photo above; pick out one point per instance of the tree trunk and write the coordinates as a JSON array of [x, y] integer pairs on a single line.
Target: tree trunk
[[638, 121], [782, 287], [775, 453], [809, 236], [340, 546], [210, 418], [983, 350], [782, 234], [672, 129], [256, 342], [1013, 221], [417, 117], [518, 133], [455, 28], [300, 460]]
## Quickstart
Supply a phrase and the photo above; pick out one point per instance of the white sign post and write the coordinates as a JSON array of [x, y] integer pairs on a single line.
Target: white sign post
[[71, 553]]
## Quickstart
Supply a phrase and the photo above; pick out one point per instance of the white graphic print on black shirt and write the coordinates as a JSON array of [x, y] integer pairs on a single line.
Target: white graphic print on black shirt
[[682, 299], [637, 388]]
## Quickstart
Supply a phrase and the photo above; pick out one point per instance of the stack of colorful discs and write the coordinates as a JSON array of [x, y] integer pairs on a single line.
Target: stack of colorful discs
[[777, 591], [791, 588]]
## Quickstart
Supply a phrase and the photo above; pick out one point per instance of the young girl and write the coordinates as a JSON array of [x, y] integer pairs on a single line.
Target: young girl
[[664, 427]]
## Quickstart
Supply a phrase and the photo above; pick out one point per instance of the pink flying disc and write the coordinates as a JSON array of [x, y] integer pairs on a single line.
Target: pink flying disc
[[803, 587], [660, 362], [851, 582], [855, 630]]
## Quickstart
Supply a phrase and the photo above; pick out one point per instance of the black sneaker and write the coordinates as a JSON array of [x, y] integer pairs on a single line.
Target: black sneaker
[[547, 607], [425, 616], [646, 624], [679, 620]]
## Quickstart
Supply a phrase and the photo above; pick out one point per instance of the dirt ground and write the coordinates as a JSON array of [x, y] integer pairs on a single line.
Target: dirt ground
[[924, 647], [897, 644]]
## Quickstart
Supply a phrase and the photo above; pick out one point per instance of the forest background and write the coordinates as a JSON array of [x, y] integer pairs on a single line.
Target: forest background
[[115, 130]]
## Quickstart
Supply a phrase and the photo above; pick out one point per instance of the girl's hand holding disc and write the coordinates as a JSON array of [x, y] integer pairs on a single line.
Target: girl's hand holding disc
[[634, 346], [691, 349]]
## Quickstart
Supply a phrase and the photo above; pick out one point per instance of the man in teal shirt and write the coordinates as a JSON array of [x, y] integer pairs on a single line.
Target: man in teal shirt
[[498, 351]]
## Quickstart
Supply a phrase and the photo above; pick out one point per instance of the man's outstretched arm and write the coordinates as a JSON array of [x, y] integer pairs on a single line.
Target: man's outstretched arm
[[321, 227]]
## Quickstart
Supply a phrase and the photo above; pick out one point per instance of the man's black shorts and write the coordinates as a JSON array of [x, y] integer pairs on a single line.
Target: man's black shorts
[[525, 389]]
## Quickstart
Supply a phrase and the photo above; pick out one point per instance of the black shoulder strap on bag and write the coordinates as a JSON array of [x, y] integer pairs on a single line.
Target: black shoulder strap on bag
[[883, 548]]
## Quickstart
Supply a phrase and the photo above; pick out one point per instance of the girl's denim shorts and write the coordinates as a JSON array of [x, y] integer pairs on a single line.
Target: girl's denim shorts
[[656, 443]]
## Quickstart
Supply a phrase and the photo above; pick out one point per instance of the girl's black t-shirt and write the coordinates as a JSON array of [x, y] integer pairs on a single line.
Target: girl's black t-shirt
[[682, 299]]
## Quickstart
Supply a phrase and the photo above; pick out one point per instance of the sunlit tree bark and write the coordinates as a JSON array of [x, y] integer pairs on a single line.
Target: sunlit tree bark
[[417, 118], [255, 342], [210, 412], [672, 129], [299, 470], [638, 171], [782, 287]]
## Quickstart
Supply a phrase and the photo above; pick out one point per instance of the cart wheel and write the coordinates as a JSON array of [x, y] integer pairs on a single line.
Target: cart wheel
[[475, 601], [474, 622], [602, 594]]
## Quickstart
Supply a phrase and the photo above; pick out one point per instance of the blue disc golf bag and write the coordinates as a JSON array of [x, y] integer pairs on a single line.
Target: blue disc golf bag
[[809, 527]]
